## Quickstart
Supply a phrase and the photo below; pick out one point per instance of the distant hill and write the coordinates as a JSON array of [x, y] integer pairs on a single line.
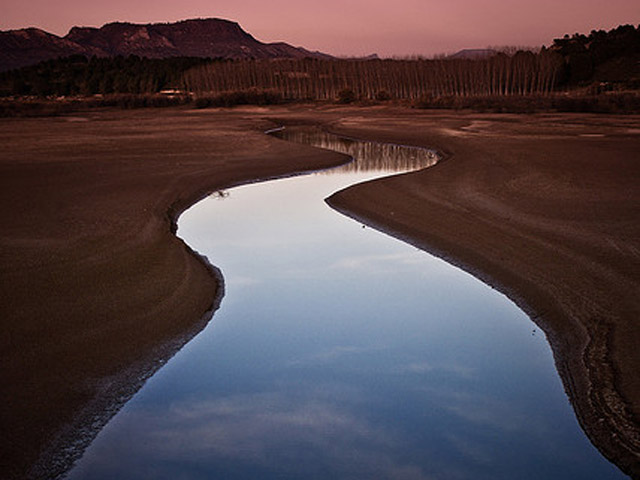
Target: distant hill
[[212, 38], [474, 53]]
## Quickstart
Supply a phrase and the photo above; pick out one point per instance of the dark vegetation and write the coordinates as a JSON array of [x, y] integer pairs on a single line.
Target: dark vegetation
[[350, 80], [613, 102], [68, 84], [601, 56], [251, 96], [78, 75], [43, 107], [599, 72]]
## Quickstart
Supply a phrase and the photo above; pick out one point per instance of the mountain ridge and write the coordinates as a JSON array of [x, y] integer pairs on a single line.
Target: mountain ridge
[[201, 37]]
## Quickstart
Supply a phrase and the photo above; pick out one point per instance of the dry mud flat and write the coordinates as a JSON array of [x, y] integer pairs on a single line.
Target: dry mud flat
[[546, 209], [97, 292]]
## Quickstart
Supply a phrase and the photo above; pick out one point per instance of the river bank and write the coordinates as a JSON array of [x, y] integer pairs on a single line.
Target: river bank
[[546, 211], [98, 292]]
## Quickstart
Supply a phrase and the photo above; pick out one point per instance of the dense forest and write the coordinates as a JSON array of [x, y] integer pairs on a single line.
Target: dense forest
[[611, 56], [601, 62], [311, 79], [78, 75]]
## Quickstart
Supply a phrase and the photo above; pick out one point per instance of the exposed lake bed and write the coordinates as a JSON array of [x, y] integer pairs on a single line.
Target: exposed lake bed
[[338, 351], [431, 134]]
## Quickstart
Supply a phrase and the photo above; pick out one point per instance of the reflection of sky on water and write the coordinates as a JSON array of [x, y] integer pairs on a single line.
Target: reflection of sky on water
[[339, 352]]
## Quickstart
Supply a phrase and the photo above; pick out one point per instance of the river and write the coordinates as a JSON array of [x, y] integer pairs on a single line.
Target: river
[[340, 352]]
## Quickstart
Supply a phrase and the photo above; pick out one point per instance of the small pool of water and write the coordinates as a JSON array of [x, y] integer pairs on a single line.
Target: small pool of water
[[340, 352]]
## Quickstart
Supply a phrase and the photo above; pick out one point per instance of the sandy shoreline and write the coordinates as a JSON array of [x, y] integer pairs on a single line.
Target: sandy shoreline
[[97, 291]]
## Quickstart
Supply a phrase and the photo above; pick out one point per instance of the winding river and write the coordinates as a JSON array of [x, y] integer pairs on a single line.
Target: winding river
[[340, 352]]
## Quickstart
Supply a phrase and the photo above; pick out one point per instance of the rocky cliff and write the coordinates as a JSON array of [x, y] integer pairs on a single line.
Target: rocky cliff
[[215, 38]]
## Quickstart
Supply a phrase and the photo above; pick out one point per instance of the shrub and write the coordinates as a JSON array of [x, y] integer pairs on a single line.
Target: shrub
[[383, 96], [603, 103], [346, 95], [240, 97]]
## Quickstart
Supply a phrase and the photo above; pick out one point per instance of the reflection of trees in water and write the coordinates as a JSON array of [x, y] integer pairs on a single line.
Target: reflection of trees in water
[[369, 156]]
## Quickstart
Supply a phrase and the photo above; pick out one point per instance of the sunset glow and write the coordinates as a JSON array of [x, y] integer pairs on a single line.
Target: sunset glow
[[351, 27]]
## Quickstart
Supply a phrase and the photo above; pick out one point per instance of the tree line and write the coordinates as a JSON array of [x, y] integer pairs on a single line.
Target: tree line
[[78, 75], [600, 58], [584, 55], [569, 62], [524, 73]]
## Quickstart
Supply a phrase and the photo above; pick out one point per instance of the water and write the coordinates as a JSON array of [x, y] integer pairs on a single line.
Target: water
[[339, 352]]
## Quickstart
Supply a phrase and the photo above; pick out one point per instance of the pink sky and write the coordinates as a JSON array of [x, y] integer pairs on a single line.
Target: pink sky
[[350, 27]]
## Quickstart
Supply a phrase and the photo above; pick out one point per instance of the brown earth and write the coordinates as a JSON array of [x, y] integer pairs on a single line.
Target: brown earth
[[97, 292], [546, 208]]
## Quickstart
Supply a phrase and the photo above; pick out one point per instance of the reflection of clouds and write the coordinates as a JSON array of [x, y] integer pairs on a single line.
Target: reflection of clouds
[[250, 426], [345, 354], [307, 428], [475, 451], [240, 281], [462, 371], [360, 264], [489, 412], [285, 432], [422, 367], [377, 261], [333, 354]]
